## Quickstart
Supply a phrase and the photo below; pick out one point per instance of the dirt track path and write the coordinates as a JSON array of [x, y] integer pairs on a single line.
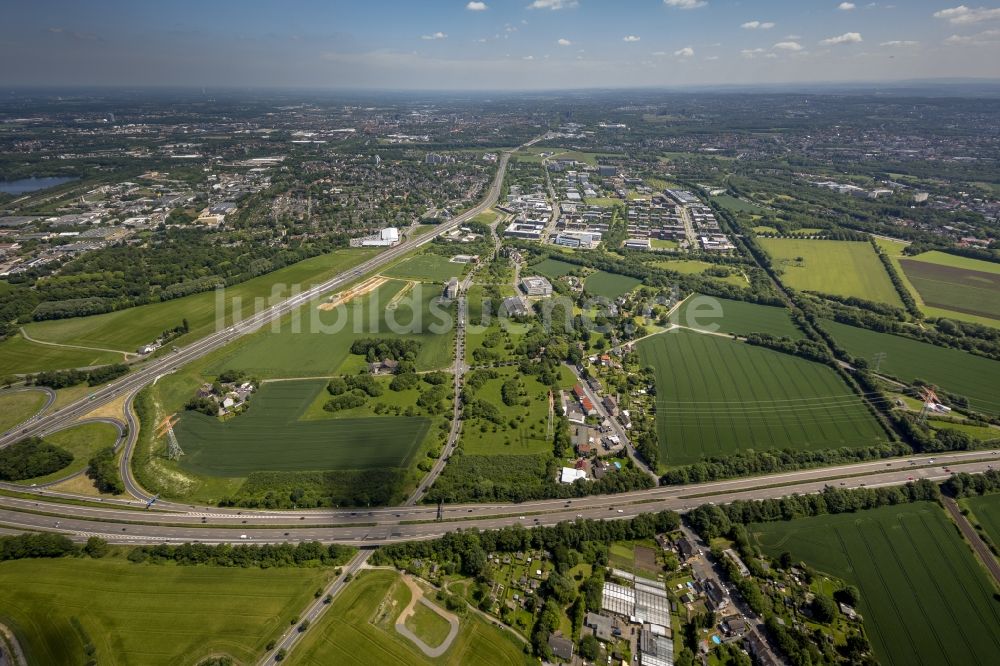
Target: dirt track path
[[27, 337], [16, 659], [418, 597]]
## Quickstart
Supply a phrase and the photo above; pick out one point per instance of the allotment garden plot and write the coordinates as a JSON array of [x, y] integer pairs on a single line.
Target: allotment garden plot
[[715, 396], [924, 597], [270, 437]]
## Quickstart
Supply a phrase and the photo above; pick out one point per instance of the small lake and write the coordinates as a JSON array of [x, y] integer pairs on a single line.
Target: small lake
[[32, 184]]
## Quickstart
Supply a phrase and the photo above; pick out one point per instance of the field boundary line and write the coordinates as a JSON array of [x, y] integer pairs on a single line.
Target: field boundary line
[[27, 337]]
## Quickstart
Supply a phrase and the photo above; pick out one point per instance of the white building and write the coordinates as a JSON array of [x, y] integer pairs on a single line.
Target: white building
[[385, 238], [569, 475]]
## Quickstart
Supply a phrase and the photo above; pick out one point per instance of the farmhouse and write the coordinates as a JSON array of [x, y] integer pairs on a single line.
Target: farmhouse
[[385, 366]]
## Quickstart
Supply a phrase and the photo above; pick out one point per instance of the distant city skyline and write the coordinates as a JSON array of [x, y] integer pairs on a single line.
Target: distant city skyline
[[493, 44]]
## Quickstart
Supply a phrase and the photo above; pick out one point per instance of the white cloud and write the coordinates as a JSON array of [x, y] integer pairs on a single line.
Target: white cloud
[[846, 6], [963, 15], [433, 36], [476, 6], [751, 53], [685, 4], [846, 38], [900, 43], [685, 52], [979, 39], [631, 38], [554, 4], [788, 46], [757, 25], [528, 58], [563, 42]]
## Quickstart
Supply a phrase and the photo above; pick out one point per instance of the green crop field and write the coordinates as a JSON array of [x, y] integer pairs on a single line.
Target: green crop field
[[20, 356], [146, 613], [737, 317], [83, 441], [318, 343], [976, 292], [986, 509], [270, 437], [609, 285], [427, 267], [552, 268], [360, 629], [840, 268], [19, 406], [696, 267], [128, 329], [924, 597], [715, 396], [956, 371]]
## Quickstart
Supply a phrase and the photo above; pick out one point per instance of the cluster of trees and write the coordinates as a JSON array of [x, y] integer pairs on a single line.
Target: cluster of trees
[[364, 383], [897, 282], [751, 463], [43, 544], [305, 553], [968, 485], [31, 458], [807, 349], [379, 349], [57, 379], [73, 307], [711, 521], [518, 478], [103, 470], [304, 490]]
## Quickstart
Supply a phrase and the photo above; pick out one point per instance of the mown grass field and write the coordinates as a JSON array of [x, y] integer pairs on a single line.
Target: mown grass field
[[360, 629], [148, 614], [716, 396], [19, 406], [737, 317], [736, 205], [269, 437], [609, 285], [974, 377], [20, 356], [527, 435], [83, 441], [319, 344], [427, 267], [128, 329], [429, 626], [959, 288], [553, 269], [695, 267], [986, 509], [924, 597], [840, 268]]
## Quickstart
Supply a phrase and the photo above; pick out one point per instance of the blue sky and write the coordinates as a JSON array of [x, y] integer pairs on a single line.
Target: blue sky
[[493, 44]]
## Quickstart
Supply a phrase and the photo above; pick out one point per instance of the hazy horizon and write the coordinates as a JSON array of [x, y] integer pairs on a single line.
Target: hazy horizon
[[498, 45]]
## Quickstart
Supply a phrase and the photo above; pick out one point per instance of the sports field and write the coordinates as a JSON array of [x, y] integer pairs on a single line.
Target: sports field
[[427, 267], [986, 509], [83, 441], [552, 268], [974, 377], [727, 316], [269, 437], [320, 342], [360, 629], [969, 286], [609, 285], [147, 613], [716, 396], [128, 329], [840, 268], [924, 597], [19, 406], [19, 356]]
